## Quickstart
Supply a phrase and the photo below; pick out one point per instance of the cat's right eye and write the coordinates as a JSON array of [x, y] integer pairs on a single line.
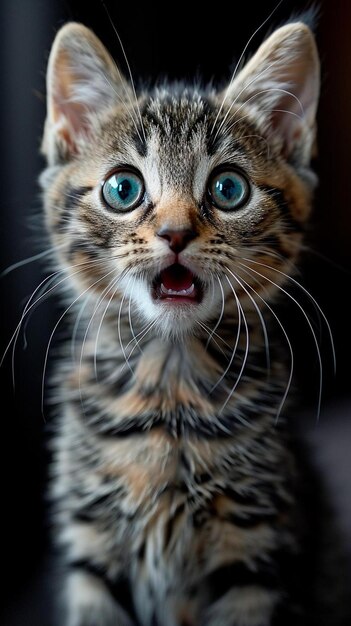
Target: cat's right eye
[[228, 189], [124, 190]]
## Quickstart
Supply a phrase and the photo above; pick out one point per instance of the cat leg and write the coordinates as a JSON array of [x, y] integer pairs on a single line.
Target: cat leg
[[242, 606], [89, 602]]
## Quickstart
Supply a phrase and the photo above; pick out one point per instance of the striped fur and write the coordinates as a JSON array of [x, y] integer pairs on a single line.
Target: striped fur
[[175, 485]]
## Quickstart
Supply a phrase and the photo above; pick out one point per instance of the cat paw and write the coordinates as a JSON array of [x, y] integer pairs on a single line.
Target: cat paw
[[90, 603]]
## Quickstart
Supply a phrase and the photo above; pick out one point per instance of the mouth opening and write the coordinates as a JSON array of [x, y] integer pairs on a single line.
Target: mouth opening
[[177, 284]]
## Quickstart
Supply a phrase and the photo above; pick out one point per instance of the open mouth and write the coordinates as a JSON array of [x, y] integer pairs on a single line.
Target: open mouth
[[177, 284]]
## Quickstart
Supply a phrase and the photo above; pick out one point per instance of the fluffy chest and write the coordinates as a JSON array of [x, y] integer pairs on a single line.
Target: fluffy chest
[[158, 435], [153, 475]]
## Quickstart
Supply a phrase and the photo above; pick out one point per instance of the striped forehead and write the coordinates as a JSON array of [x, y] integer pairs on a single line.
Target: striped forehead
[[176, 131], [175, 166], [176, 145], [179, 149]]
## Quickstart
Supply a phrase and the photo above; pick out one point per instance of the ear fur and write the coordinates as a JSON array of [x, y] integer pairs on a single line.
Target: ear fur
[[82, 81], [281, 84]]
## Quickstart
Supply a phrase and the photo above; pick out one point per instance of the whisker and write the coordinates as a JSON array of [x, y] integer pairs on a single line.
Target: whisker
[[248, 115], [236, 99], [130, 318], [25, 311], [212, 290], [30, 259], [294, 269], [54, 330], [314, 301], [220, 316], [30, 305], [96, 307], [120, 99], [235, 345], [275, 255], [320, 364], [209, 332], [261, 318], [139, 334], [240, 61], [115, 374], [120, 333], [128, 67], [142, 334], [29, 308], [40, 293], [110, 286], [76, 327], [246, 347], [287, 389]]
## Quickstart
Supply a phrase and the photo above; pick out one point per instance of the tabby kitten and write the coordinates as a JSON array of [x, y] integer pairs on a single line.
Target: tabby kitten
[[177, 215]]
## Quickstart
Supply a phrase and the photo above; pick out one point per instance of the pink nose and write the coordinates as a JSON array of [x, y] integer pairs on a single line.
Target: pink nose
[[177, 239]]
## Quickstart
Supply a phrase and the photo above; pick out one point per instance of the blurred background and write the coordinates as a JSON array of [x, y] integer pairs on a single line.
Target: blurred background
[[157, 43]]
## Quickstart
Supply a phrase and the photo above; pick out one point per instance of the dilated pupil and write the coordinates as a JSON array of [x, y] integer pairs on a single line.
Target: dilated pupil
[[227, 188], [124, 189]]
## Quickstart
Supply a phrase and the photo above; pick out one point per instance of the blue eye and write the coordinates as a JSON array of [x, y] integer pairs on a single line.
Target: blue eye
[[228, 190], [124, 190]]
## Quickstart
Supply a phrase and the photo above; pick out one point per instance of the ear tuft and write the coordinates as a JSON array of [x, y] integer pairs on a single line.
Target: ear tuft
[[82, 81]]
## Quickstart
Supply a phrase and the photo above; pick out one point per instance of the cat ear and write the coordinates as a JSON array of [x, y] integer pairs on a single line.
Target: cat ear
[[82, 80], [281, 83]]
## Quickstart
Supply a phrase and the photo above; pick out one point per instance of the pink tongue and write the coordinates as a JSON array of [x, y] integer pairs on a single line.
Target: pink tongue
[[177, 277]]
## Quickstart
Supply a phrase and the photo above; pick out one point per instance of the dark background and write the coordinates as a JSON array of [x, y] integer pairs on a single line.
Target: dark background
[[174, 43]]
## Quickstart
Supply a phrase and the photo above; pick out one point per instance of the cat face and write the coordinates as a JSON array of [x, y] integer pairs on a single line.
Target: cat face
[[179, 201]]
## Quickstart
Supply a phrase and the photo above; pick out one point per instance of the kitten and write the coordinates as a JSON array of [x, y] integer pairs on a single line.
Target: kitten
[[177, 217]]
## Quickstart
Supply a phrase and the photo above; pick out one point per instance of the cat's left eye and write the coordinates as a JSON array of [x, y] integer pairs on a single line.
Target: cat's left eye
[[228, 189], [124, 190]]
